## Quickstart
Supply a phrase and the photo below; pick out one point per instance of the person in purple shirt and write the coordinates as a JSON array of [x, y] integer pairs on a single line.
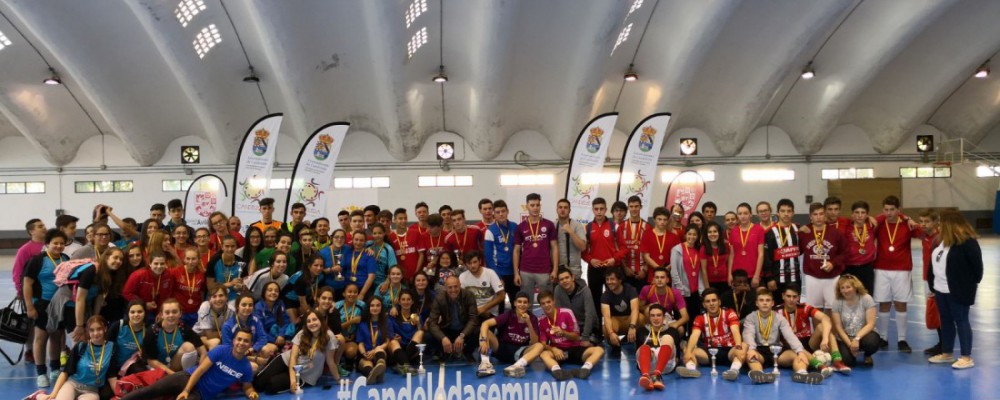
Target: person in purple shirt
[[221, 368], [516, 339], [535, 250]]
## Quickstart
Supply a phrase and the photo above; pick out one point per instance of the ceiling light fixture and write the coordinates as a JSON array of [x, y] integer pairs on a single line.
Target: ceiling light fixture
[[808, 72], [630, 75], [54, 79], [983, 71], [441, 77], [252, 78]]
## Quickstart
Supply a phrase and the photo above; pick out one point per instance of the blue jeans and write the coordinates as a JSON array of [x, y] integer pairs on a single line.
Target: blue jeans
[[954, 317]]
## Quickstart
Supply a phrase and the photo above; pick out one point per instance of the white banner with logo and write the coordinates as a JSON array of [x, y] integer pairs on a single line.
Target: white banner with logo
[[638, 172], [587, 164], [253, 168], [206, 195], [312, 177]]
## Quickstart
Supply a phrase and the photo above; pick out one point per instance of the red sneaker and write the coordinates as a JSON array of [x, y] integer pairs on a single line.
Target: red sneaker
[[646, 383]]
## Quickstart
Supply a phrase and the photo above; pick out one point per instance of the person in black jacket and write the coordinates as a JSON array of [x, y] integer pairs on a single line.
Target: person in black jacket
[[454, 320], [956, 270]]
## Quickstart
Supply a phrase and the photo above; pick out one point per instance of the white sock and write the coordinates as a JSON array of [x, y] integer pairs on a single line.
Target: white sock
[[521, 362], [690, 365], [882, 324], [801, 371], [587, 365], [901, 324], [736, 365], [555, 368]]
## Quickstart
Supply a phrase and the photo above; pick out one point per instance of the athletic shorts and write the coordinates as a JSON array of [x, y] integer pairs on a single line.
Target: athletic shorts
[[893, 286], [820, 293], [765, 351], [723, 355], [509, 353], [574, 355], [42, 307]]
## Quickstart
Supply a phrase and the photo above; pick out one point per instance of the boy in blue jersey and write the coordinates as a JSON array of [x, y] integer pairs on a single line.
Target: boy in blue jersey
[[498, 248]]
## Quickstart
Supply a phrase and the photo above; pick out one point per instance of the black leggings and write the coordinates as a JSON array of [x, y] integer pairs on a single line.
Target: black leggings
[[273, 378], [407, 355], [868, 346], [169, 386]]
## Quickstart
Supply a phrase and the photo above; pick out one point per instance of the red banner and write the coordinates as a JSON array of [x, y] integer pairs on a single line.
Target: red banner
[[686, 189]]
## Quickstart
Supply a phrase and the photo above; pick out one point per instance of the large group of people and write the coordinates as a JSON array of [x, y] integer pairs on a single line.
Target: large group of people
[[276, 306]]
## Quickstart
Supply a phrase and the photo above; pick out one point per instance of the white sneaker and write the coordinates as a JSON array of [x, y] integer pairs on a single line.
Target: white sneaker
[[485, 369], [53, 376], [42, 381], [514, 371]]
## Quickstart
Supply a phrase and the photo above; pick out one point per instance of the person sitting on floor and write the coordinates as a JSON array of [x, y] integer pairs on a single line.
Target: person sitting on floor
[[560, 334], [764, 328], [657, 350], [515, 342], [721, 329]]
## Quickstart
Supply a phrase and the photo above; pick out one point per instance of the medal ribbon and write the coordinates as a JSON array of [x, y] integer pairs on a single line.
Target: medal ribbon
[[765, 332], [97, 361]]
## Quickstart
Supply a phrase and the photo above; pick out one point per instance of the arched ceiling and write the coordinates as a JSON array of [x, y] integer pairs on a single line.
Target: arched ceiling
[[723, 67]]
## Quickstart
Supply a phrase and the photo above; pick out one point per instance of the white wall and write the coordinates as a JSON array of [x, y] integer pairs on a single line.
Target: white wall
[[364, 155]]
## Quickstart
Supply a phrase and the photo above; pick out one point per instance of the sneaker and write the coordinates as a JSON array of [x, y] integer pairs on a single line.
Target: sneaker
[[658, 382], [812, 378], [943, 358], [826, 372], [842, 368], [963, 363], [760, 377], [42, 381], [485, 369], [53, 376], [883, 344], [582, 373], [684, 372], [904, 347], [935, 349], [562, 374], [731, 375], [514, 371], [869, 362], [343, 371], [377, 372], [646, 383]]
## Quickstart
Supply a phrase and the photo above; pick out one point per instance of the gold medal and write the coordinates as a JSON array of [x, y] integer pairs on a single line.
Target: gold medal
[[892, 248], [190, 301], [861, 251], [744, 252], [535, 244], [354, 279]]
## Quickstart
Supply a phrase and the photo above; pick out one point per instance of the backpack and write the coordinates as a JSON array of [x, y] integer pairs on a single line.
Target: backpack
[[68, 273]]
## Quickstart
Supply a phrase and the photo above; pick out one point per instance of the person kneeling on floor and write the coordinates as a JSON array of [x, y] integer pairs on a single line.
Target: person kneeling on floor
[[763, 328]]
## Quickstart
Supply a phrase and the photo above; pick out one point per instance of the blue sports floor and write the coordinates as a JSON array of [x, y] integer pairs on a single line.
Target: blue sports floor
[[895, 375]]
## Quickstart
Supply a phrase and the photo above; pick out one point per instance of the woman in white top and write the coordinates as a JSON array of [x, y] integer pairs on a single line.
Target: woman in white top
[[313, 349], [956, 270]]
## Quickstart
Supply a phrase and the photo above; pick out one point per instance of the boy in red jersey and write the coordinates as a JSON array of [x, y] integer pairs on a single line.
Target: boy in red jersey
[[721, 329], [893, 269], [631, 234]]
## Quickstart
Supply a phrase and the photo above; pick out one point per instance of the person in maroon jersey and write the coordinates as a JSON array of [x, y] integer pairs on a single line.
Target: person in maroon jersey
[[893, 270], [861, 246], [823, 255], [536, 246]]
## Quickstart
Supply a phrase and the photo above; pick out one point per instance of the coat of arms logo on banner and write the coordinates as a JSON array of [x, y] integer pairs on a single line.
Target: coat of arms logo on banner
[[260, 142], [594, 140], [646, 139], [322, 150]]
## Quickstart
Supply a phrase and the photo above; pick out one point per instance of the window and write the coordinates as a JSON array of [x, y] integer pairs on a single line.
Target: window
[[924, 172], [668, 176], [187, 9], [768, 175], [528, 180], [417, 7], [4, 42], [125, 186], [985, 171], [364, 182], [848, 173], [206, 40], [419, 39], [280, 184], [444, 180], [176, 185], [22, 187]]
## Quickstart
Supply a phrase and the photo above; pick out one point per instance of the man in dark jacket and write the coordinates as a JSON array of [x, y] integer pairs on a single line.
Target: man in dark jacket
[[453, 322], [573, 293]]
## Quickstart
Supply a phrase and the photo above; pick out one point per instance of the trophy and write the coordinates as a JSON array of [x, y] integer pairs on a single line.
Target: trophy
[[298, 380], [340, 276], [420, 368], [428, 269], [713, 351], [775, 351]]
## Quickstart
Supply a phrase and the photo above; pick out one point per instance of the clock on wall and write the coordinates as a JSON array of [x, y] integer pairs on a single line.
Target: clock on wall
[[446, 151], [925, 143], [190, 155], [689, 146]]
